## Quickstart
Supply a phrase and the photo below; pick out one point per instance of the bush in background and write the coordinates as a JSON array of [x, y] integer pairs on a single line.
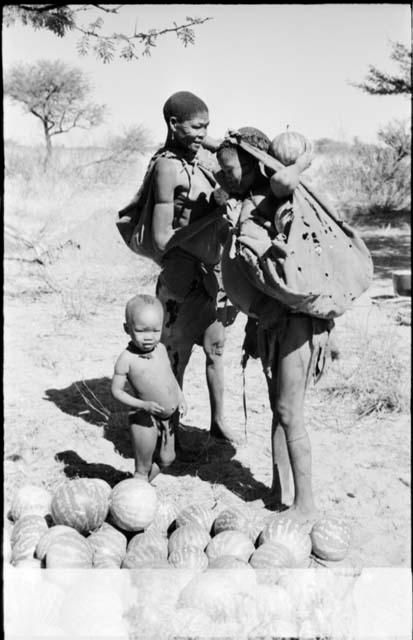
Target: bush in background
[[367, 178]]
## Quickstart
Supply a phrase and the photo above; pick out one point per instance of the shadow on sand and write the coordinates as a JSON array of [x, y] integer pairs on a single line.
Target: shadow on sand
[[210, 460]]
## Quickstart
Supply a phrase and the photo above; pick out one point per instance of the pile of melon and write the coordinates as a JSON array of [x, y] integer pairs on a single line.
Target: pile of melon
[[87, 524]]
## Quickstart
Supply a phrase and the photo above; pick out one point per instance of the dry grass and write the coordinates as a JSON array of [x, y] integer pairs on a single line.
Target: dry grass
[[377, 380]]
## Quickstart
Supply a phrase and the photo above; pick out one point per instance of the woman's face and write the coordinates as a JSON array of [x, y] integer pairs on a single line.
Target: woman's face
[[190, 133], [239, 170]]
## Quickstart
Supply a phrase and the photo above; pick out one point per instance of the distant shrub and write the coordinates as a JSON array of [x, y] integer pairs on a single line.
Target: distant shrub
[[368, 178]]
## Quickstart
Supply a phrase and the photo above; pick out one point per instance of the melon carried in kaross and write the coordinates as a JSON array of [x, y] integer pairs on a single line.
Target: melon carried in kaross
[[188, 558], [232, 543], [189, 535], [330, 538], [196, 514], [25, 535], [290, 533], [80, 504], [133, 504], [109, 547], [288, 146], [30, 499]]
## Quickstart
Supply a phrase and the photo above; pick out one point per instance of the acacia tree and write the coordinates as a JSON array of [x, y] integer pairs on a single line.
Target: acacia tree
[[62, 18], [389, 84], [56, 94]]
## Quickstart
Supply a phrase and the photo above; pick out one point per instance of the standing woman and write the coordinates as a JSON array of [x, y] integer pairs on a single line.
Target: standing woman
[[188, 230]]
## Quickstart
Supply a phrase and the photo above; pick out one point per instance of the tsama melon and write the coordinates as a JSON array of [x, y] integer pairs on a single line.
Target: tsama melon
[[288, 532], [30, 499], [109, 546], [80, 504], [231, 543], [272, 555], [288, 146], [69, 552], [25, 535], [150, 537], [133, 504], [227, 562], [330, 538], [141, 555], [103, 486], [188, 558], [6, 546], [52, 534], [165, 516], [196, 514], [189, 535], [231, 519]]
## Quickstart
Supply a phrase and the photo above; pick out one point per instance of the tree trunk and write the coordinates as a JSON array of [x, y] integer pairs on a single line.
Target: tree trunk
[[48, 145]]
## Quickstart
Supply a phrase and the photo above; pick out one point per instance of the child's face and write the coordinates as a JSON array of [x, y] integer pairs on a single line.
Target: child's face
[[239, 170], [145, 327], [190, 133]]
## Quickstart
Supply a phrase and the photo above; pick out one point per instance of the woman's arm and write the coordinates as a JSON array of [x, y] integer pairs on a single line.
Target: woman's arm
[[285, 180]]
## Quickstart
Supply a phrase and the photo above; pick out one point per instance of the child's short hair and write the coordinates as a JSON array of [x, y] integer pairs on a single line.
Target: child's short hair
[[139, 302], [255, 137], [184, 105]]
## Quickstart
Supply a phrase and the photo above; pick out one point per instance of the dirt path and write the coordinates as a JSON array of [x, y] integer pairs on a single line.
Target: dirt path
[[61, 420]]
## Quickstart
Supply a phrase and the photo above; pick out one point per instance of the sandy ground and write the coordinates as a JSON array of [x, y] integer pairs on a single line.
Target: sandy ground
[[60, 348]]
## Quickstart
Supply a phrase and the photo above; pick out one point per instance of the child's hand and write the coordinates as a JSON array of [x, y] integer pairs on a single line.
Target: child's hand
[[183, 407], [153, 408]]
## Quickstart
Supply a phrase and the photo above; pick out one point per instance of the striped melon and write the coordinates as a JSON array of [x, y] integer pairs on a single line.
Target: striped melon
[[25, 535], [188, 558], [288, 146], [140, 555], [272, 555], [149, 538], [102, 486], [28, 563], [69, 552], [196, 514], [213, 592], [330, 538], [288, 532], [52, 534], [152, 563], [80, 504], [133, 504], [231, 519], [230, 543], [30, 500], [189, 535], [6, 546], [109, 546], [227, 562], [165, 516]]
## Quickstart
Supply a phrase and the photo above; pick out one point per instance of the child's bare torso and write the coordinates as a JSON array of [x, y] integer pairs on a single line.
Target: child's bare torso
[[152, 379]]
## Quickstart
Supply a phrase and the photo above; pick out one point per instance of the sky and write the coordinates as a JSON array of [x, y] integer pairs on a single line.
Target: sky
[[262, 65]]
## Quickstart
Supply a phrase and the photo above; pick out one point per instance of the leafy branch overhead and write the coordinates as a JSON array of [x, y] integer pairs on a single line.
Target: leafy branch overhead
[[60, 19], [381, 83]]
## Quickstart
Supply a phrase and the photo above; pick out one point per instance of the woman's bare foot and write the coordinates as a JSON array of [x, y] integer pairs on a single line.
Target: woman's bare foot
[[220, 431]]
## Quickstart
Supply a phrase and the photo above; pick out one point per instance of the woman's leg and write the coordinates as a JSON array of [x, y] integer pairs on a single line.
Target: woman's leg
[[213, 345], [294, 360]]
